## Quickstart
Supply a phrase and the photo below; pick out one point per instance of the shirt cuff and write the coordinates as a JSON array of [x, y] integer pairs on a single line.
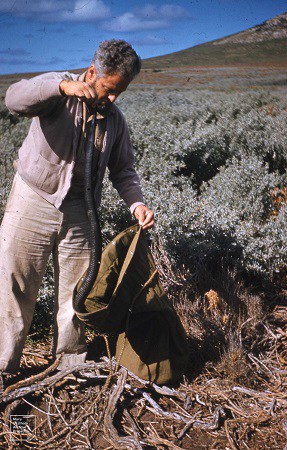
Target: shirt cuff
[[135, 205]]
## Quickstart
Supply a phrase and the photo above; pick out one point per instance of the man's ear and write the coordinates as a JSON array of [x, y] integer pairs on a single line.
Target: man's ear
[[91, 73]]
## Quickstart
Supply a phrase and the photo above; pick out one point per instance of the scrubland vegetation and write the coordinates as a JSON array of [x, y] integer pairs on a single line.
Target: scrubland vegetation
[[213, 167]]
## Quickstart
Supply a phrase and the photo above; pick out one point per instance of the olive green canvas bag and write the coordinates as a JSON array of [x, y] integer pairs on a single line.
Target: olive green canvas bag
[[128, 300]]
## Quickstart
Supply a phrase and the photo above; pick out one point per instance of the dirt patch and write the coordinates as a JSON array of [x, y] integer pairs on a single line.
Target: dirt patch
[[239, 402]]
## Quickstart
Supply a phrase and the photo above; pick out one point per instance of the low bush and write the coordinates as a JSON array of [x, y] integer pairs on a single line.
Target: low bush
[[209, 164]]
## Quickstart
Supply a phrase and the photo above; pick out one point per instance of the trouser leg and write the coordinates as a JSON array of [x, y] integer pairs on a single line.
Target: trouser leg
[[71, 259], [28, 230]]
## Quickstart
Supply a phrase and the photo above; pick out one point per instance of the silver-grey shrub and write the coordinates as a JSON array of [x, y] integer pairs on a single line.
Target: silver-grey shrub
[[209, 163]]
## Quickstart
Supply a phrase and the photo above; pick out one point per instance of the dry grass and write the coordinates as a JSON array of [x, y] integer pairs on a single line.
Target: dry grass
[[232, 397]]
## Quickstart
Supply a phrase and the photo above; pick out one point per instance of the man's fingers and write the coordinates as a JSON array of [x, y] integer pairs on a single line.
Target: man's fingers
[[85, 92], [79, 89], [147, 217], [148, 220], [144, 216]]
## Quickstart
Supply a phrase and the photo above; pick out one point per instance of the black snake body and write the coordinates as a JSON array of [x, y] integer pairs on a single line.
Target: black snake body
[[95, 229]]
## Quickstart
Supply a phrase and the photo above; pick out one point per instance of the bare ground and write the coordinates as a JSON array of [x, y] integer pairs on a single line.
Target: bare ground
[[238, 401]]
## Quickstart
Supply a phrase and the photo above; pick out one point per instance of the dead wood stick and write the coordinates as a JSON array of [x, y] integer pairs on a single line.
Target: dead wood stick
[[261, 394], [232, 407], [43, 384], [34, 378], [37, 355], [140, 391], [156, 409], [213, 425], [163, 390], [6, 424], [111, 434], [228, 435], [131, 420], [254, 421], [155, 439], [74, 424], [68, 427], [188, 425], [284, 426], [53, 438], [259, 364]]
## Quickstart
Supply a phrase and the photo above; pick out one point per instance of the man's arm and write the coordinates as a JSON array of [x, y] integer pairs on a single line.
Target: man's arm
[[125, 178], [36, 96]]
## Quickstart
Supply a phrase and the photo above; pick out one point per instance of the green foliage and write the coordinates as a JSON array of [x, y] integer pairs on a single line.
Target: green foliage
[[209, 164], [12, 133]]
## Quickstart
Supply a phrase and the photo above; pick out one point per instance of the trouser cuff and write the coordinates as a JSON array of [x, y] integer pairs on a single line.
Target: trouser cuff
[[68, 361]]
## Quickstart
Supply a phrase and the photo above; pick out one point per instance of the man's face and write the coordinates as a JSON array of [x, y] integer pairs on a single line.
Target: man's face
[[107, 87]]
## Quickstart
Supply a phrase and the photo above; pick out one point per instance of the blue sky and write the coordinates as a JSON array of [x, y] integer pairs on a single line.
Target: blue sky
[[44, 35]]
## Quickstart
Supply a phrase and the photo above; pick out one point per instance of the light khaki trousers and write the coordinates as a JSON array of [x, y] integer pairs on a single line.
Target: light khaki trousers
[[31, 230]]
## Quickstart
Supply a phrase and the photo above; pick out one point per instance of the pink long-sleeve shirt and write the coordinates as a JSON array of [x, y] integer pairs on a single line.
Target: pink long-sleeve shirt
[[48, 153]]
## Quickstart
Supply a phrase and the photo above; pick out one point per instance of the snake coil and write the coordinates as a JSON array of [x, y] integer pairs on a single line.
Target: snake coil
[[95, 229]]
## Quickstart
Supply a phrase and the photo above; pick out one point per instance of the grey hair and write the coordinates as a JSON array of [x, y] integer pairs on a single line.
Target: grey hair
[[116, 57]]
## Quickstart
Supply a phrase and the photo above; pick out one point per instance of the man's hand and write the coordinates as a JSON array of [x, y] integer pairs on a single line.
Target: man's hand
[[144, 216], [79, 89]]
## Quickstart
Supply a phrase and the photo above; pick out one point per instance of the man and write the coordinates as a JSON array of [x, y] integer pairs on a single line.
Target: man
[[45, 211]]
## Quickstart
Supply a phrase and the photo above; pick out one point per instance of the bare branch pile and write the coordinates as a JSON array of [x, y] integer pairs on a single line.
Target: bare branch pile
[[95, 406]]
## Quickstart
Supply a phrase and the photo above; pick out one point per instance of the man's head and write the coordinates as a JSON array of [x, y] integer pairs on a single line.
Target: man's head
[[116, 56], [113, 67]]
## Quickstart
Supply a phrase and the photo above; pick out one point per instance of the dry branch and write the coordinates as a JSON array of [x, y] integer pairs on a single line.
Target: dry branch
[[112, 436], [77, 409], [43, 384]]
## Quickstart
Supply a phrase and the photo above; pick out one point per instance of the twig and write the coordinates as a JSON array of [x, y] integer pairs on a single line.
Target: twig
[[228, 435], [213, 425], [38, 377], [111, 434], [253, 393], [45, 383]]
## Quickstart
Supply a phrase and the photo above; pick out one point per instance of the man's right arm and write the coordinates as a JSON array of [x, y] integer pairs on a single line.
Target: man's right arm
[[39, 95], [35, 96]]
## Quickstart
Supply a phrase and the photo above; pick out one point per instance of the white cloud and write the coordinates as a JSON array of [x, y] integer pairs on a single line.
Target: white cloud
[[87, 11], [58, 10], [149, 17], [152, 40], [166, 11], [130, 22]]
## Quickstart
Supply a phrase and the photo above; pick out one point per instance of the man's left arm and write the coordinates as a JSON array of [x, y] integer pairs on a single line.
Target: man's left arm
[[125, 178]]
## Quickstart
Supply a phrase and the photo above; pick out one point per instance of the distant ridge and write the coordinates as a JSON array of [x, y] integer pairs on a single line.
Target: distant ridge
[[262, 44]]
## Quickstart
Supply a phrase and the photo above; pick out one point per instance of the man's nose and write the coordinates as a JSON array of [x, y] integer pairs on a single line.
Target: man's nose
[[112, 97]]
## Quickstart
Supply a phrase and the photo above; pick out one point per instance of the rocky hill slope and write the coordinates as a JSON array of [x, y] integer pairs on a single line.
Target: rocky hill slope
[[275, 28], [264, 44]]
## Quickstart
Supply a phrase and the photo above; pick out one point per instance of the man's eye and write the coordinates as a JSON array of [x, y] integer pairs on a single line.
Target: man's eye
[[110, 91]]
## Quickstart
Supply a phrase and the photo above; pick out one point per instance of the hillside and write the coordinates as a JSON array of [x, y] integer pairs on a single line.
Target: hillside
[[263, 44], [241, 61]]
